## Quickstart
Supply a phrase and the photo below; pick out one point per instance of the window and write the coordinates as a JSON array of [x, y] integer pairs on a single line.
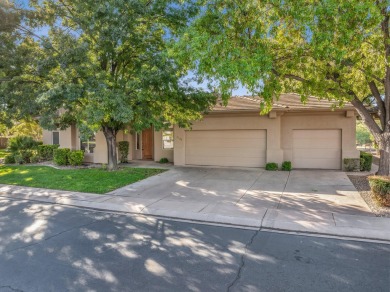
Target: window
[[88, 145], [167, 139], [137, 141], [56, 138]]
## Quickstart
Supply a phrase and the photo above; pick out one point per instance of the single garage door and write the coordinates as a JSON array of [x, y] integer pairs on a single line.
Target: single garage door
[[246, 148], [317, 149]]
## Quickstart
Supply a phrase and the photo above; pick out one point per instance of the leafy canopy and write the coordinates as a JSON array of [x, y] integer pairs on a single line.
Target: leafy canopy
[[331, 49]]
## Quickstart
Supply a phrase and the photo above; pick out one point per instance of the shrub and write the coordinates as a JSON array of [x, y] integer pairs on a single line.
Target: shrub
[[76, 157], [45, 152], [352, 164], [34, 158], [365, 161], [164, 160], [271, 166], [60, 156], [286, 166], [123, 151], [18, 158], [26, 155], [22, 143], [9, 159], [380, 187]]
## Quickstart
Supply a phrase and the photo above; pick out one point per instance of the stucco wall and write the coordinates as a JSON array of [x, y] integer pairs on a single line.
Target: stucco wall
[[159, 152], [279, 127]]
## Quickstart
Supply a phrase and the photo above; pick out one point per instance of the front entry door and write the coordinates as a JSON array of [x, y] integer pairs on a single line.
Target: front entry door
[[147, 144]]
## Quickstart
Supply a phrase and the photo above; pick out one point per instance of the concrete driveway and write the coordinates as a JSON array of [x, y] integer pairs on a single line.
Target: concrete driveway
[[244, 192]]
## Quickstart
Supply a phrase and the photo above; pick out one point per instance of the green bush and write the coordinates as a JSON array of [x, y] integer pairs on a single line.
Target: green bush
[[123, 151], [45, 152], [18, 158], [9, 159], [34, 158], [380, 187], [365, 161], [22, 143], [60, 156], [286, 166], [164, 160], [352, 164], [76, 157], [271, 166], [26, 155]]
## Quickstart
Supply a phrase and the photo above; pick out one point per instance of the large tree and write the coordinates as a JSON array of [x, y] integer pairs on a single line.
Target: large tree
[[106, 65], [333, 49]]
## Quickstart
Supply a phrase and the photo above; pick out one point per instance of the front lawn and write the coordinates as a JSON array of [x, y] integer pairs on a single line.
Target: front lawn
[[92, 180]]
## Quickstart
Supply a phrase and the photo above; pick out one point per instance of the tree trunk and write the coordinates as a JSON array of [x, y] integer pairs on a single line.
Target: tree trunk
[[384, 152], [110, 134]]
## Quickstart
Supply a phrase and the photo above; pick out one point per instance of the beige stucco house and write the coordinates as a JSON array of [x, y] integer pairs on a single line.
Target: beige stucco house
[[310, 135]]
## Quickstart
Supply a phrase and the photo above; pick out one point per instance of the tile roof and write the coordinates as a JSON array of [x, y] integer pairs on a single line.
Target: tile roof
[[286, 102]]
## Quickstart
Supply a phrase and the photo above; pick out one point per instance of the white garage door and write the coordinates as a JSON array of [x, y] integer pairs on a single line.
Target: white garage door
[[246, 148], [317, 149]]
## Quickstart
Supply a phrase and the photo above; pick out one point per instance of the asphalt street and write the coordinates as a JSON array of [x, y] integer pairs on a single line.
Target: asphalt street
[[45, 247]]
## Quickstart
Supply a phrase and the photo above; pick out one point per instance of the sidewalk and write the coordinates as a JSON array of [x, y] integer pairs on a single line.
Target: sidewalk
[[305, 221]]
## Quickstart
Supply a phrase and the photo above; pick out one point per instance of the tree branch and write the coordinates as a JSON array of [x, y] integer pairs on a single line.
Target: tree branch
[[365, 115], [379, 102]]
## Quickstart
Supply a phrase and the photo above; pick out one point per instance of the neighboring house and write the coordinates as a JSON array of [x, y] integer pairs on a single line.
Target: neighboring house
[[310, 135]]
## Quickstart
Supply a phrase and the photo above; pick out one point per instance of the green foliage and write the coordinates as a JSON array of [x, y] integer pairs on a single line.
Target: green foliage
[[18, 158], [26, 155], [363, 135], [26, 128], [60, 156], [271, 166], [76, 157], [45, 152], [22, 143], [164, 160], [9, 159], [34, 158], [286, 165], [352, 164], [380, 187], [365, 161], [123, 151]]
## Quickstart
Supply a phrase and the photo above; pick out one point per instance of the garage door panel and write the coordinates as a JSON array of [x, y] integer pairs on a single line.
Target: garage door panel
[[244, 148], [317, 149], [226, 161], [232, 143]]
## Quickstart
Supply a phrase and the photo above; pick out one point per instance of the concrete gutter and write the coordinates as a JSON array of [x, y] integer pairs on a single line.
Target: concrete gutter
[[321, 223]]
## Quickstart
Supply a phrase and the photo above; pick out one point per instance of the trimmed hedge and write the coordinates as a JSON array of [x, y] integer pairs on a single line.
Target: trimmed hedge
[[123, 151], [271, 166], [365, 161], [45, 152], [380, 187], [76, 157], [286, 166], [60, 156]]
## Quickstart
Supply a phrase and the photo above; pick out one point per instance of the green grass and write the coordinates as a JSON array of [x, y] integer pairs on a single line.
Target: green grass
[[3, 153], [92, 180]]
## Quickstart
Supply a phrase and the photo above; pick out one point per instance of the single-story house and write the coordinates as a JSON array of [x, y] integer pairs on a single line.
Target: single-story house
[[310, 135]]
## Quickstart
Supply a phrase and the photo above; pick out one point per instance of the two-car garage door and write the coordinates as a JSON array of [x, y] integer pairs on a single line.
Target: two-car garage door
[[245, 148]]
